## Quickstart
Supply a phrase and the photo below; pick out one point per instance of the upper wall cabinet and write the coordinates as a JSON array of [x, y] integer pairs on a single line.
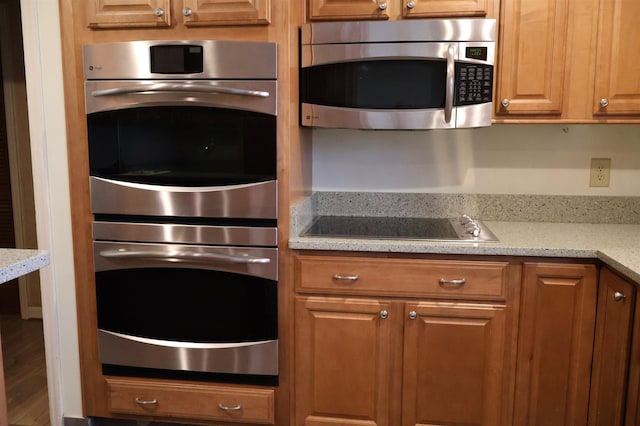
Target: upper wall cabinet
[[532, 44], [562, 60], [226, 12], [617, 89], [319, 10], [157, 13], [128, 13]]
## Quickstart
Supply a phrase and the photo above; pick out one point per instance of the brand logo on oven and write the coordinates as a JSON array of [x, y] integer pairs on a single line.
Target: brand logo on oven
[[94, 67]]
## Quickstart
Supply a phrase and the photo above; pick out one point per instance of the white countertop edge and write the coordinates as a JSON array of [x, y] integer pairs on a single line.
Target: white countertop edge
[[15, 263]]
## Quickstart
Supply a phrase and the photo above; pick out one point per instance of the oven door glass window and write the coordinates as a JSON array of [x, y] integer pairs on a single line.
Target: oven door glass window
[[182, 145], [372, 85], [187, 305]]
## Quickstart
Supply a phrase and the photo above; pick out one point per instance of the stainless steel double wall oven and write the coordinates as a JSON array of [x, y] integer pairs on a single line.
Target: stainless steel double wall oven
[[182, 154]]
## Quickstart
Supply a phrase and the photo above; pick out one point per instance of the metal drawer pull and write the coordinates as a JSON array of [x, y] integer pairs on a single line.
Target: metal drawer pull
[[461, 281], [226, 408], [345, 277], [413, 315], [145, 402], [617, 296]]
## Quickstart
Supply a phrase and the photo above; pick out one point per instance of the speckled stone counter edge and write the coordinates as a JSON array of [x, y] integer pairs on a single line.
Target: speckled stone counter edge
[[15, 263]]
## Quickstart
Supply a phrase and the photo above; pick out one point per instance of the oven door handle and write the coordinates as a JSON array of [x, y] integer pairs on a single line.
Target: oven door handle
[[183, 256], [179, 87]]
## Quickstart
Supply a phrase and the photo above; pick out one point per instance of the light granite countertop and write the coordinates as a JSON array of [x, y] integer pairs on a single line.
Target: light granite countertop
[[15, 263], [615, 244]]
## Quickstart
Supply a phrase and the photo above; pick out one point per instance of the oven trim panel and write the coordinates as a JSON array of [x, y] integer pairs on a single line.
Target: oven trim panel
[[249, 201], [259, 358]]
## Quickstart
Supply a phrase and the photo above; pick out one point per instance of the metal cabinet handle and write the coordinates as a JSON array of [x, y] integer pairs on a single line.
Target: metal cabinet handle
[[187, 11], [413, 315], [411, 4], [460, 282], [345, 277], [505, 103], [384, 314], [382, 5], [159, 12], [227, 408], [145, 402], [617, 296], [604, 102]]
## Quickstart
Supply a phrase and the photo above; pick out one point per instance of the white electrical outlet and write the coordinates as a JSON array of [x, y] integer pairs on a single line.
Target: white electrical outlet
[[600, 172]]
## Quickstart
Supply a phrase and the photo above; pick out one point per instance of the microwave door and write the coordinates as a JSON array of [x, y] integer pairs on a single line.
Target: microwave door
[[357, 85]]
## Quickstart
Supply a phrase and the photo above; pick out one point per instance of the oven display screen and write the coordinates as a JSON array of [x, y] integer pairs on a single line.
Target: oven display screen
[[176, 59], [479, 52]]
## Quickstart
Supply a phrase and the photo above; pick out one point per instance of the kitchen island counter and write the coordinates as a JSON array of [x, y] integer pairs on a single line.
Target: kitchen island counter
[[15, 263]]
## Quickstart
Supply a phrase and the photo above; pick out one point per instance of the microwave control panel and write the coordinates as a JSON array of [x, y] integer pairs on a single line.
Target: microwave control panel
[[474, 83]]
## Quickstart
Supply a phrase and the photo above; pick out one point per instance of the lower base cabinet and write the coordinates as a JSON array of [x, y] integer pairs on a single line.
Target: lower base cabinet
[[616, 374], [555, 344], [445, 360], [190, 402]]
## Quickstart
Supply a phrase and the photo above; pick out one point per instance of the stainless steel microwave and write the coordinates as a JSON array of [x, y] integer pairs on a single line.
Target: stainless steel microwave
[[422, 74]]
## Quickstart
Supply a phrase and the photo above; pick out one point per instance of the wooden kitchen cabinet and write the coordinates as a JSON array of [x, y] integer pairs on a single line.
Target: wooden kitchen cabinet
[[177, 401], [617, 88], [616, 306], [226, 12], [555, 344], [319, 10], [453, 365], [128, 13], [343, 361], [568, 61], [532, 46], [157, 13], [446, 358]]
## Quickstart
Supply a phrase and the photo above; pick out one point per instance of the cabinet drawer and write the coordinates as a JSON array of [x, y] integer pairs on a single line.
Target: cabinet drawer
[[450, 279], [187, 401]]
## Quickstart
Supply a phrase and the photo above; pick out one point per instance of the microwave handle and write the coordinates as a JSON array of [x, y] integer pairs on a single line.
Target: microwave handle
[[450, 84], [184, 256], [178, 87]]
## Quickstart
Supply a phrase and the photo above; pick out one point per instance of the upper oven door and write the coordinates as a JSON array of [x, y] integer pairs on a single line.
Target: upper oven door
[[183, 148]]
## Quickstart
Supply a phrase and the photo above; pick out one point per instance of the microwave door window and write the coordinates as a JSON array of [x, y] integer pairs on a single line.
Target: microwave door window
[[375, 84], [182, 146]]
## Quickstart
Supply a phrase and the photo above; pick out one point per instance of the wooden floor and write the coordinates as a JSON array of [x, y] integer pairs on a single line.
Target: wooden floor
[[25, 371]]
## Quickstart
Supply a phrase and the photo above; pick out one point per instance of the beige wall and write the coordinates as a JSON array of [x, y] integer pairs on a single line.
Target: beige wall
[[502, 159]]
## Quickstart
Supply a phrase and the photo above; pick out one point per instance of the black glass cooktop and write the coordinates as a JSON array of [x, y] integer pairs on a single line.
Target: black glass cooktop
[[401, 228], [382, 227]]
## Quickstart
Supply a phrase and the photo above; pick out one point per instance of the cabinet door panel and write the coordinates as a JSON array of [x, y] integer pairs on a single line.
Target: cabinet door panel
[[226, 12], [431, 8], [617, 65], [533, 42], [616, 301], [555, 343], [348, 9], [342, 362], [453, 364], [128, 13]]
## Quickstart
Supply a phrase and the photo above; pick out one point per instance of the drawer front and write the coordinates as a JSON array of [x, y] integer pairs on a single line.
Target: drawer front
[[448, 279], [186, 401]]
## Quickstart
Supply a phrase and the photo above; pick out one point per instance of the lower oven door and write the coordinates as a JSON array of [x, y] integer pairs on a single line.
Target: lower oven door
[[166, 308]]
